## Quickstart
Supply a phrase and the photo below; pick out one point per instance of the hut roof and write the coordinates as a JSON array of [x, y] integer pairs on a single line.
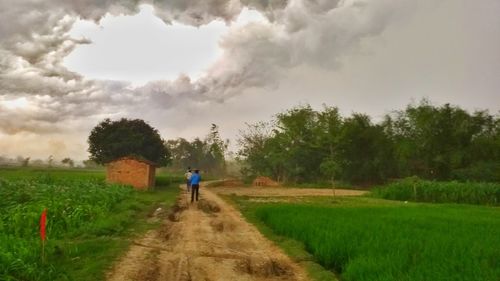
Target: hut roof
[[136, 158]]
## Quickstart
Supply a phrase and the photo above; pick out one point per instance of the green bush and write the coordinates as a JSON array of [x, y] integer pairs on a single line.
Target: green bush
[[414, 189], [482, 171]]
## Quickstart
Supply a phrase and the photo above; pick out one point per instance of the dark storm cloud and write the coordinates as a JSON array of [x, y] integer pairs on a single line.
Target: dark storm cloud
[[34, 41], [299, 32], [198, 12]]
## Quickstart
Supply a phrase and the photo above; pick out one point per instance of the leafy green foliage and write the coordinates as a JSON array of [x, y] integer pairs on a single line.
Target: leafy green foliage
[[68, 161], [364, 150], [478, 171], [254, 148], [207, 155], [329, 167], [414, 189], [114, 139], [431, 142], [401, 242], [305, 145]]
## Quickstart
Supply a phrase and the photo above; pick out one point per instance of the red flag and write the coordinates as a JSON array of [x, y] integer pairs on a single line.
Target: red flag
[[43, 223]]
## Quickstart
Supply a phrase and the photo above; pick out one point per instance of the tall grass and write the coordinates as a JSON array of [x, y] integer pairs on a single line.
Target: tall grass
[[74, 208], [58, 174], [413, 189], [417, 243], [86, 220], [71, 205]]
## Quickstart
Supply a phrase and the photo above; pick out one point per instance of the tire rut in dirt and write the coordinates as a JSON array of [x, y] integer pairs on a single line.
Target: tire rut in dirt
[[183, 269], [167, 230], [176, 210], [221, 226], [265, 267], [208, 206], [174, 267], [150, 272]]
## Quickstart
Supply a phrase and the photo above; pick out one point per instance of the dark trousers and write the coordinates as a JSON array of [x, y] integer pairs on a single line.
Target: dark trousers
[[194, 189]]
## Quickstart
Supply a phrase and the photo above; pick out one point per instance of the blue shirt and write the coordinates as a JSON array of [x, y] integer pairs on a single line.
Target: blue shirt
[[195, 178]]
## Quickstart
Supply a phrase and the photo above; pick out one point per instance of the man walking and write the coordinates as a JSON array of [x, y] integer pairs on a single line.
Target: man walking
[[195, 184], [188, 179]]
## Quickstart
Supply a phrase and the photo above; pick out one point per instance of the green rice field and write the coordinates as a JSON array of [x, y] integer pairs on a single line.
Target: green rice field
[[362, 239]]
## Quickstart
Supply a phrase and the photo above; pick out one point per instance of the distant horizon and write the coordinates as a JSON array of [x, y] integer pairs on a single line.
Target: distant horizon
[[233, 147]]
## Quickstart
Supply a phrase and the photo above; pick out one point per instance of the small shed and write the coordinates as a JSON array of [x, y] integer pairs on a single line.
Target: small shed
[[139, 173]]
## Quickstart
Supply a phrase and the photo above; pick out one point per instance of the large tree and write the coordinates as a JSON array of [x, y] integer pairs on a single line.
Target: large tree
[[126, 137], [207, 154], [443, 142], [68, 161]]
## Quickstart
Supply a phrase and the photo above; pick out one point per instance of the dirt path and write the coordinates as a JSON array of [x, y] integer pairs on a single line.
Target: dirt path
[[205, 241], [285, 191]]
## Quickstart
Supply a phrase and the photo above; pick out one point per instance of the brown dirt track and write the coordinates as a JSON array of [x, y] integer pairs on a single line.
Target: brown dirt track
[[210, 240], [285, 192]]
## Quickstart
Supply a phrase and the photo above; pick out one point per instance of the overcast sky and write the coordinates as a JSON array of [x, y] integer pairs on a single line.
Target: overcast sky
[[182, 65]]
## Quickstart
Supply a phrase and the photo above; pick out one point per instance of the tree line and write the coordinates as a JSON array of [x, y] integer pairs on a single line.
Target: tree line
[[432, 142], [207, 154], [304, 145], [23, 161]]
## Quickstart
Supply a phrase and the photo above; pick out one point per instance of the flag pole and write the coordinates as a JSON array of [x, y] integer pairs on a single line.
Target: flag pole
[[43, 224], [43, 251]]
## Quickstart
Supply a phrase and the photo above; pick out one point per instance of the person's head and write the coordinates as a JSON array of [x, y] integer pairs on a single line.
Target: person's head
[[197, 171], [189, 170]]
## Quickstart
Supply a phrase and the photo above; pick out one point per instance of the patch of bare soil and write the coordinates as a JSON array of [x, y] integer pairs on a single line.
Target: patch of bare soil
[[284, 191], [264, 181], [207, 240]]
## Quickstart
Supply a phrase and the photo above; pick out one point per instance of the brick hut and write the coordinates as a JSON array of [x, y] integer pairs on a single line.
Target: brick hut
[[139, 173]]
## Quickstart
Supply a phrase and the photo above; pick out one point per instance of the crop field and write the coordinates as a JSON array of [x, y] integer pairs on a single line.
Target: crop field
[[6, 173], [372, 239], [441, 192], [89, 222]]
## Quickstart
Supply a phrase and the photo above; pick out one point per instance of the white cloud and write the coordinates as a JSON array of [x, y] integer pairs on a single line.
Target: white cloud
[[122, 50], [14, 104]]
